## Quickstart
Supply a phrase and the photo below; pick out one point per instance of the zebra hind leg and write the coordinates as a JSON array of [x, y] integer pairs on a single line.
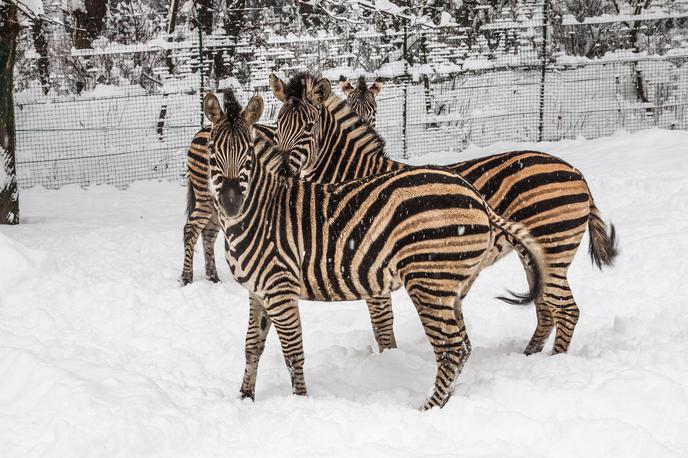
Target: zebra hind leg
[[557, 292], [438, 316], [566, 314], [209, 236], [545, 321], [382, 319], [258, 328]]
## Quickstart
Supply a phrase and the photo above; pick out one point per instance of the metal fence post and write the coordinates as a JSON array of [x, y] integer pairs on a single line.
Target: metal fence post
[[404, 154], [543, 63], [200, 62]]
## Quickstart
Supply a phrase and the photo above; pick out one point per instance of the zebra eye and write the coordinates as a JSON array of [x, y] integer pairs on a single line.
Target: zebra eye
[[309, 126]]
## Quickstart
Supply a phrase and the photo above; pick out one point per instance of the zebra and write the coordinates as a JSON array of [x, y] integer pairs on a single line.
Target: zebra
[[201, 219], [287, 239], [549, 196], [362, 98]]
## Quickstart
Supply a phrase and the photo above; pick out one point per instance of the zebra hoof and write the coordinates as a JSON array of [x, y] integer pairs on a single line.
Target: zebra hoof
[[428, 406], [248, 395], [531, 349], [213, 278], [185, 280]]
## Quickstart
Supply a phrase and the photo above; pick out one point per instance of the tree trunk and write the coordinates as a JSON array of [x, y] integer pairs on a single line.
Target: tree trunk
[[171, 25], [9, 194], [40, 42], [89, 23]]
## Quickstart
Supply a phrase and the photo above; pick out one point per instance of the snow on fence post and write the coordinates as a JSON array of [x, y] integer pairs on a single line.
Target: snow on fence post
[[543, 64]]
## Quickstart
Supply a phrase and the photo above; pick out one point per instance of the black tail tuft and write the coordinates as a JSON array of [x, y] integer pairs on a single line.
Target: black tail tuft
[[516, 298], [603, 248], [190, 199], [531, 253]]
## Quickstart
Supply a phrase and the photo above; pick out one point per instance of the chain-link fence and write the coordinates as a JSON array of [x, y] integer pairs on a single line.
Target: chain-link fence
[[131, 110]]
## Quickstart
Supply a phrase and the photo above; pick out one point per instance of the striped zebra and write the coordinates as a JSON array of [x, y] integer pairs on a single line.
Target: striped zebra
[[550, 197], [286, 239], [201, 219], [362, 98]]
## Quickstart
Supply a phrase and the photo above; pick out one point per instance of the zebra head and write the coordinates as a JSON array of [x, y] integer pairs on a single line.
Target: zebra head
[[362, 98], [230, 149], [298, 121]]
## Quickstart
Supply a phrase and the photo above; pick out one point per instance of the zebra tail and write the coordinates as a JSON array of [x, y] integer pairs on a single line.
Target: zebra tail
[[190, 198], [533, 257], [603, 247]]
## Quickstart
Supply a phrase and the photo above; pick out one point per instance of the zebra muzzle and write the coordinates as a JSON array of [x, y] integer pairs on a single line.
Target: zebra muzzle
[[230, 197]]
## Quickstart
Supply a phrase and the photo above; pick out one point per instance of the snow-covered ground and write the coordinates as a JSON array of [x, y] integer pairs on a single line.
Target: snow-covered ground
[[103, 354]]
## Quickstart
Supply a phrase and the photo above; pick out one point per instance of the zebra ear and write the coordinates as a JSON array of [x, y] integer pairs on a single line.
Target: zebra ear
[[253, 109], [212, 108], [376, 87], [320, 92], [277, 87], [345, 86]]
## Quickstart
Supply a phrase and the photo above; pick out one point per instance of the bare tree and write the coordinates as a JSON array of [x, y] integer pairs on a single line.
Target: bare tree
[[9, 193]]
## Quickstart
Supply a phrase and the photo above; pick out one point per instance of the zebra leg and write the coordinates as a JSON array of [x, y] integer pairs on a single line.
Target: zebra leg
[[462, 326], [458, 312], [382, 319], [557, 292], [438, 316], [545, 321], [258, 328], [209, 235], [545, 324], [283, 311], [195, 222], [565, 315]]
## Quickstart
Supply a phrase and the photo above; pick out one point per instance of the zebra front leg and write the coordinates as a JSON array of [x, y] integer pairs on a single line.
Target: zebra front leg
[[283, 311], [209, 235], [438, 316], [258, 328], [382, 319]]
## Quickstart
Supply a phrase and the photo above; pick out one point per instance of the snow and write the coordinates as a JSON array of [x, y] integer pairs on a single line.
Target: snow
[[31, 8], [103, 354]]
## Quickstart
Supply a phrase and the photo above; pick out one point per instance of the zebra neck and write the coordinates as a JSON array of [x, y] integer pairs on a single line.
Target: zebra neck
[[349, 148]]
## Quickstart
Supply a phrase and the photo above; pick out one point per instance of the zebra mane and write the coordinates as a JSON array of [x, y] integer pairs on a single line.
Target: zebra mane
[[299, 84], [376, 146], [232, 107], [362, 86]]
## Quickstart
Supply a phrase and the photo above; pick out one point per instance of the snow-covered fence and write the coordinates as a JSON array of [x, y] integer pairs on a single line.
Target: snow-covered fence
[[123, 113]]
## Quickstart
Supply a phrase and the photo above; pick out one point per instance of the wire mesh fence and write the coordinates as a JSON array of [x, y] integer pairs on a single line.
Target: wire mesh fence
[[118, 113]]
